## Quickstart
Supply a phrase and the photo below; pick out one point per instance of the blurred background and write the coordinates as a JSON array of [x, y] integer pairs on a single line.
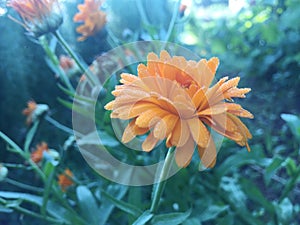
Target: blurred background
[[258, 40]]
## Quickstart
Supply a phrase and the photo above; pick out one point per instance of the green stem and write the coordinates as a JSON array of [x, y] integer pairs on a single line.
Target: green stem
[[173, 20], [36, 215], [53, 58], [58, 125], [159, 188], [23, 186], [82, 67], [25, 155]]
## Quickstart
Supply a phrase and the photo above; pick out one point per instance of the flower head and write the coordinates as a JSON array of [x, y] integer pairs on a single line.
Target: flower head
[[39, 16], [31, 106], [37, 155], [172, 99], [34, 111], [65, 179], [94, 19]]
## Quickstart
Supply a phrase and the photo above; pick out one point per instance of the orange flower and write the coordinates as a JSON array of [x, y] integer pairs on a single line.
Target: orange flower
[[65, 179], [39, 16], [171, 98], [94, 19], [31, 106], [37, 155], [66, 62]]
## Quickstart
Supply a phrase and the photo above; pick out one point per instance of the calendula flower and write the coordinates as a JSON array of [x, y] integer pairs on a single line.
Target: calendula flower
[[172, 99], [34, 111], [38, 16], [31, 106], [94, 19], [37, 155], [65, 179]]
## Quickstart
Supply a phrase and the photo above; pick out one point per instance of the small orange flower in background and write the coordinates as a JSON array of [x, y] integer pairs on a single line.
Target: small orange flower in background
[[65, 179], [31, 106], [94, 19], [37, 155], [171, 98], [39, 16], [66, 62]]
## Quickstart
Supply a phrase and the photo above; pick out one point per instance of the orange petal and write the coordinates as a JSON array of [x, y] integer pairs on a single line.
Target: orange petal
[[163, 128], [131, 131], [199, 132], [213, 110], [184, 154], [149, 143], [149, 117], [180, 134], [213, 64], [208, 155]]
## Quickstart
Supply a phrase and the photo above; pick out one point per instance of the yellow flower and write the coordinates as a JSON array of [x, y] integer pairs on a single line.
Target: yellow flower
[[39, 16], [171, 98], [94, 19], [65, 179]]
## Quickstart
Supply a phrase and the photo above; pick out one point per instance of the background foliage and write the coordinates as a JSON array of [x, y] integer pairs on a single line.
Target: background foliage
[[260, 43]]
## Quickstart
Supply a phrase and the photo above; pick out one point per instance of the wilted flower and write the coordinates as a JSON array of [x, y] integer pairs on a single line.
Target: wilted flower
[[94, 19], [171, 98], [3, 172], [65, 179], [66, 62], [34, 111], [37, 155], [39, 16]]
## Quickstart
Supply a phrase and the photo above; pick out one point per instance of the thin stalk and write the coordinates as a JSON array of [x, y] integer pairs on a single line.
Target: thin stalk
[[172, 22], [25, 155], [23, 186], [36, 215], [82, 67], [55, 61], [159, 188], [59, 125]]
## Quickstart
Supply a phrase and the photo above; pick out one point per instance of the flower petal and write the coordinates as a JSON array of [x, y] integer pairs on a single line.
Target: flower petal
[[184, 154], [208, 155], [163, 128], [149, 143], [199, 132]]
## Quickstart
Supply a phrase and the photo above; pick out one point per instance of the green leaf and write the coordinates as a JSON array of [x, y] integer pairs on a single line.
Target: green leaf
[[256, 195], [81, 110], [212, 212], [293, 122], [53, 208], [26, 197], [284, 211], [240, 159], [98, 138], [88, 205], [144, 218], [272, 169], [126, 207], [291, 166], [3, 209], [49, 171], [192, 221], [171, 218], [106, 204]]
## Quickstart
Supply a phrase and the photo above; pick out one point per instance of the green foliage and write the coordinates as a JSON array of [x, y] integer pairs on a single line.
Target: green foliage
[[260, 44]]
